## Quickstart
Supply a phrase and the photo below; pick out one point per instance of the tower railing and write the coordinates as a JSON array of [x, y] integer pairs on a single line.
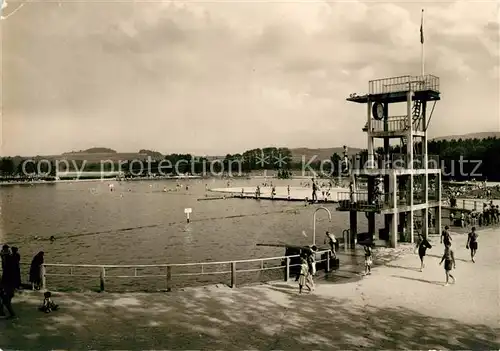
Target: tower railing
[[393, 124], [358, 201], [395, 161], [427, 82]]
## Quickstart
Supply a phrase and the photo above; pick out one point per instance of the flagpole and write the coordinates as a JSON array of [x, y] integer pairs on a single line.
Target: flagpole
[[422, 43]]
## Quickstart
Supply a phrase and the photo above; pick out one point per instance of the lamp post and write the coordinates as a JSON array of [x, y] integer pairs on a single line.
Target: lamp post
[[314, 221]]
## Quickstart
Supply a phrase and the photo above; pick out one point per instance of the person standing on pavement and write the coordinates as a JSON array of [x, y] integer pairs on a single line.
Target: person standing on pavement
[[332, 241], [16, 268], [314, 189], [7, 287], [304, 272], [472, 243], [368, 259], [311, 262], [446, 237], [449, 263], [422, 246], [6, 295]]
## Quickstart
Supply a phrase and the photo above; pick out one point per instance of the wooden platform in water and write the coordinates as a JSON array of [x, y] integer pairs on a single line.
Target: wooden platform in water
[[281, 198]]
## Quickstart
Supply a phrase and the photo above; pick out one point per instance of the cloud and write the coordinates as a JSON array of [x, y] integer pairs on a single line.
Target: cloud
[[225, 76]]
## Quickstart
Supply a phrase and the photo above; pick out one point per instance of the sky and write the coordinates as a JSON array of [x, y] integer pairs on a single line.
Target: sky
[[217, 77]]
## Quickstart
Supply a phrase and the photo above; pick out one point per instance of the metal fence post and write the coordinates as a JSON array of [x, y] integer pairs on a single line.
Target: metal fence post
[[102, 277], [327, 266], [42, 273], [233, 274], [287, 268], [169, 278]]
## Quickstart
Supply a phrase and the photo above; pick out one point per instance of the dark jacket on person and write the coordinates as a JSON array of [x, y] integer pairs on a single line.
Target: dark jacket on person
[[36, 269]]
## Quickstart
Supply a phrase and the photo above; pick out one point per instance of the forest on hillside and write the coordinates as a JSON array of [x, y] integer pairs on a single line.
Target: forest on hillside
[[478, 158]]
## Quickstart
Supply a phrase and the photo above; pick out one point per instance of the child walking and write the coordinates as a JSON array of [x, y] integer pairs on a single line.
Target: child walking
[[304, 272], [368, 259], [449, 263]]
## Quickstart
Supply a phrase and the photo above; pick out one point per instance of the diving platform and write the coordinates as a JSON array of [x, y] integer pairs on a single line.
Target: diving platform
[[397, 179], [395, 89]]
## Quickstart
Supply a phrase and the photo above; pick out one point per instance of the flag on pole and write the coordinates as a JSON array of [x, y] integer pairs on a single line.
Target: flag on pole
[[422, 28]]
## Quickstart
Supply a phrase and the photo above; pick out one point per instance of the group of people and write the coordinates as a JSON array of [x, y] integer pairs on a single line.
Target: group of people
[[490, 215], [448, 256], [11, 276], [307, 269], [316, 187]]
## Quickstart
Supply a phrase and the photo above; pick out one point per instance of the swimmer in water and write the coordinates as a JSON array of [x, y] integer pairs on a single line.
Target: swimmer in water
[[52, 238]]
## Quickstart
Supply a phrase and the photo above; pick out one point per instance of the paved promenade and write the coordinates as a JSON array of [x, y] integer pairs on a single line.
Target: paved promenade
[[397, 307]]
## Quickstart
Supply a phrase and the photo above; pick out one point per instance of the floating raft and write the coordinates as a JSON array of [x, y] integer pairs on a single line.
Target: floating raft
[[281, 198], [297, 194], [215, 198]]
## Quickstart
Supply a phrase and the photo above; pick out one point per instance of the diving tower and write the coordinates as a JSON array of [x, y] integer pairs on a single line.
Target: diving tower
[[399, 180]]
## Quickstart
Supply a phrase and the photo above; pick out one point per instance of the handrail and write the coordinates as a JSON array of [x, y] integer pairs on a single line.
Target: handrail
[[163, 265], [168, 274]]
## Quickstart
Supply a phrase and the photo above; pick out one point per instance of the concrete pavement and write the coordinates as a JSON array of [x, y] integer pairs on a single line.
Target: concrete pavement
[[397, 307]]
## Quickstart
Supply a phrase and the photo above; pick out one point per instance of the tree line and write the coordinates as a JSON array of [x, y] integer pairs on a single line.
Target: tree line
[[478, 157]]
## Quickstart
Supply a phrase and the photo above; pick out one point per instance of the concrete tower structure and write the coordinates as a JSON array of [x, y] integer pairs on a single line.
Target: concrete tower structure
[[401, 182]]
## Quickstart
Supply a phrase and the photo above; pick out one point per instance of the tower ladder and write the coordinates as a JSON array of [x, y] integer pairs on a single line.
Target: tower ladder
[[417, 109]]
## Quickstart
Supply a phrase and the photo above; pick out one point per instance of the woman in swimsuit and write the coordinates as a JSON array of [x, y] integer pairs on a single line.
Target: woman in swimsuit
[[422, 246], [472, 243], [449, 263]]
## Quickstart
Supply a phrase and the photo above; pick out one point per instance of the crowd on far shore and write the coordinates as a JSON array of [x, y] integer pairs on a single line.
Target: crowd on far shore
[[490, 215]]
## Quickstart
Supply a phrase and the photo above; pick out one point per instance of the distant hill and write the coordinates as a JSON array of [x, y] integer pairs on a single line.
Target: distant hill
[[481, 135], [93, 150], [321, 153]]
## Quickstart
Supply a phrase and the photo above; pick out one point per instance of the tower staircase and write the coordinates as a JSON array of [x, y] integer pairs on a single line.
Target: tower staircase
[[417, 110]]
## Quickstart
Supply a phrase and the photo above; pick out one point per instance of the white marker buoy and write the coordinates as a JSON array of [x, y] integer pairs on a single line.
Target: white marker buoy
[[187, 211]]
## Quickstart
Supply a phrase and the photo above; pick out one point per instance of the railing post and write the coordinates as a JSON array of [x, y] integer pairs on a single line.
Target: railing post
[[42, 273], [475, 205], [463, 204], [287, 268], [233, 274], [102, 277], [327, 267], [169, 278]]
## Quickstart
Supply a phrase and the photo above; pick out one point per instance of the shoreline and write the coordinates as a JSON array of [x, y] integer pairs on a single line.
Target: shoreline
[[382, 311], [94, 180], [382, 257]]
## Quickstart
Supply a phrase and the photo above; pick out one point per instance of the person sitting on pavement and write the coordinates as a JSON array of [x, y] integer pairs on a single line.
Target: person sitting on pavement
[[48, 305]]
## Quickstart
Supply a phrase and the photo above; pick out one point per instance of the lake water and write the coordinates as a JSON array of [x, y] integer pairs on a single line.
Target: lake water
[[138, 223]]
